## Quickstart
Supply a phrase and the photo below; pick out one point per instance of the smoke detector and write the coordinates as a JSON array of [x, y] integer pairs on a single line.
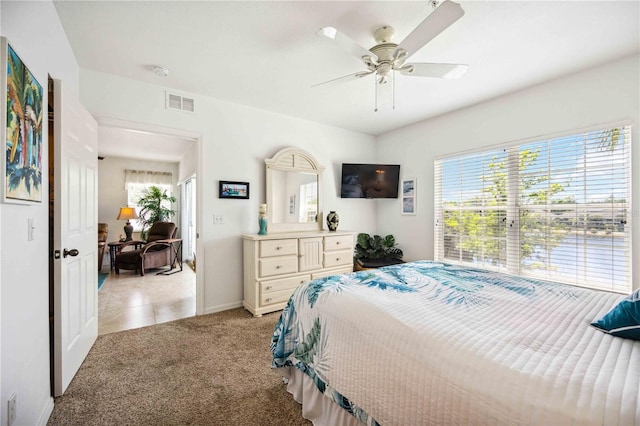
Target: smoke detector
[[160, 70]]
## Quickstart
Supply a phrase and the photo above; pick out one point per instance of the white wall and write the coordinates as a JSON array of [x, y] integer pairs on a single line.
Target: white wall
[[235, 141], [112, 194], [601, 95], [188, 164], [34, 31]]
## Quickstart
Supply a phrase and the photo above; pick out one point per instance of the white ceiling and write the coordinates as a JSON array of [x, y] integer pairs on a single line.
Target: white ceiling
[[266, 55], [130, 143]]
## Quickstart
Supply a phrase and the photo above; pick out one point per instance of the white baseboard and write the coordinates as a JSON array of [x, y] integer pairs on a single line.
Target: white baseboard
[[46, 413], [220, 308]]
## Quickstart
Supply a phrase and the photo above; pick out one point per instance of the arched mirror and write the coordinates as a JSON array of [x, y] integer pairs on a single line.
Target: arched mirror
[[294, 180]]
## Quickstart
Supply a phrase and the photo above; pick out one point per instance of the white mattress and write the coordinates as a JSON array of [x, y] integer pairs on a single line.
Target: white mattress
[[463, 347]]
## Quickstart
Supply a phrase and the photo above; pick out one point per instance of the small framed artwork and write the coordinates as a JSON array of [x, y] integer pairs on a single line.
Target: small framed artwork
[[21, 128], [409, 196], [228, 189], [292, 204]]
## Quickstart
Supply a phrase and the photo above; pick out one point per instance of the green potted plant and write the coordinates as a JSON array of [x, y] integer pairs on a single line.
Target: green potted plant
[[154, 206], [375, 251]]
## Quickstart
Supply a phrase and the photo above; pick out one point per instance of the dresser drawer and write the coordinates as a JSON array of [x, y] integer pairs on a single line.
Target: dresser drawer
[[270, 248], [278, 265], [283, 284], [338, 242], [338, 258], [340, 271], [276, 297]]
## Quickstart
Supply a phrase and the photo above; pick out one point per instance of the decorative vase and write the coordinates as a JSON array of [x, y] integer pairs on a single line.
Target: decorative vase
[[333, 220], [262, 219]]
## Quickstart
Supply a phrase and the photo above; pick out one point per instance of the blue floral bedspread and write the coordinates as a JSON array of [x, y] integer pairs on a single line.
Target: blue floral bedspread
[[396, 308]]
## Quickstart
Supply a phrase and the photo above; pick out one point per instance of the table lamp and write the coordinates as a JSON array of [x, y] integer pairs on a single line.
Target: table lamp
[[127, 213]]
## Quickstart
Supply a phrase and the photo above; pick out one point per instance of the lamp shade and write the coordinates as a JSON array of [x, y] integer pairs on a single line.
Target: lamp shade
[[127, 213]]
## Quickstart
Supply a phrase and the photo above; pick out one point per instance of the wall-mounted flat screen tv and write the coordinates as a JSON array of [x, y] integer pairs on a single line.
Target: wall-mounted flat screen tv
[[370, 180]]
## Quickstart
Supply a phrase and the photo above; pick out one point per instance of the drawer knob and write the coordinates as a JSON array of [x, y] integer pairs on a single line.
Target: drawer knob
[[337, 259], [268, 287], [337, 243], [268, 299], [302, 282], [278, 266], [278, 248]]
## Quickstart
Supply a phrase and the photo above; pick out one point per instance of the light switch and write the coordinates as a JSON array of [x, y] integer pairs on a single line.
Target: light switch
[[30, 227]]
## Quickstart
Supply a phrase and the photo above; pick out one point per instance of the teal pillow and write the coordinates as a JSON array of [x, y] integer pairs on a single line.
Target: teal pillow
[[624, 319]]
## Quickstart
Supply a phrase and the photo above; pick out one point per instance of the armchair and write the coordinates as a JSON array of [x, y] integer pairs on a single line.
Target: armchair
[[152, 254], [103, 231]]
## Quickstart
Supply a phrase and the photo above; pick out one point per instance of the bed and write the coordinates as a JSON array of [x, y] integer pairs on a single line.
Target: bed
[[432, 343]]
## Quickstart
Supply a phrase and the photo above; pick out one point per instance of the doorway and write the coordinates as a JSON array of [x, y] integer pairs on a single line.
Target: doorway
[[128, 300]]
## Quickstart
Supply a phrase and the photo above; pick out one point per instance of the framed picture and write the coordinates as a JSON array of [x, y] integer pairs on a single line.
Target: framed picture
[[228, 189], [292, 204], [409, 196], [22, 122]]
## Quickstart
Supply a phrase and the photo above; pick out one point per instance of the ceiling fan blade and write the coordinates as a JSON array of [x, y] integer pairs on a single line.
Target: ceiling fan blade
[[346, 78], [449, 71], [439, 20], [344, 42]]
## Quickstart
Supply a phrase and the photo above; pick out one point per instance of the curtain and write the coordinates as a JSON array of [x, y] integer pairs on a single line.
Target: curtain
[[147, 177]]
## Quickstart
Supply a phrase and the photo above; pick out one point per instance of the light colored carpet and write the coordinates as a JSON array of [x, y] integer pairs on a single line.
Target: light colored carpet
[[206, 370]]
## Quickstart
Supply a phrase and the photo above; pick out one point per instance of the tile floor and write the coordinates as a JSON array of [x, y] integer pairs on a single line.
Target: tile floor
[[129, 301]]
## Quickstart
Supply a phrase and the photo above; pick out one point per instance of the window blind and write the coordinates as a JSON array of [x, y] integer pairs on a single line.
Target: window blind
[[555, 209]]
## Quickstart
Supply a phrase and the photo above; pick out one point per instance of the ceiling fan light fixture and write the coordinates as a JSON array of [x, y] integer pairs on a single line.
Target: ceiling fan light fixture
[[399, 57], [407, 69]]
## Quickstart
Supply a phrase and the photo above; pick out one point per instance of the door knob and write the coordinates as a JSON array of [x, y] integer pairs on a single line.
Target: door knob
[[72, 252]]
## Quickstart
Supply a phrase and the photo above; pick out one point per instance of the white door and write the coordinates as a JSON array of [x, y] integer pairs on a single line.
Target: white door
[[189, 238], [75, 235]]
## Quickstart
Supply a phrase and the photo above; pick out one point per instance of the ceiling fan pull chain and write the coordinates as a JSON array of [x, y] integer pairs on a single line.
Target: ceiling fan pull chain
[[375, 83], [393, 90]]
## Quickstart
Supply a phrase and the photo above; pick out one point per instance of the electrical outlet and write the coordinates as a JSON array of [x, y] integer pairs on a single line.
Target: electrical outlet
[[11, 408], [217, 219]]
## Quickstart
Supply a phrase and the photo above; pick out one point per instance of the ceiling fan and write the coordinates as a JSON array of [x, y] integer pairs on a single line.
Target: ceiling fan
[[386, 57]]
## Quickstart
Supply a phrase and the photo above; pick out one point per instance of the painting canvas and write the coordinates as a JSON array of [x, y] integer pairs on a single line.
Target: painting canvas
[[22, 128]]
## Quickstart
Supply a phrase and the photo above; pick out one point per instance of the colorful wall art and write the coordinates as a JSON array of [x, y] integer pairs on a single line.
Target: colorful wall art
[[22, 165]]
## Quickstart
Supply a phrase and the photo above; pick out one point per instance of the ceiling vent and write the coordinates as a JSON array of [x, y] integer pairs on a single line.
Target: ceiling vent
[[180, 102]]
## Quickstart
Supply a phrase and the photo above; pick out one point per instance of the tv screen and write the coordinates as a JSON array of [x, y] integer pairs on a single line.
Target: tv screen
[[370, 180]]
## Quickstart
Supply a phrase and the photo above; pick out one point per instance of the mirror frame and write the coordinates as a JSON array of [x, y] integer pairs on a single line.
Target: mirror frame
[[293, 160]]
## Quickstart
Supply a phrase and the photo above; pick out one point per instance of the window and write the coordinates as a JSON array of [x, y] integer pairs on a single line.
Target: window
[[135, 191], [137, 181], [555, 209], [308, 202]]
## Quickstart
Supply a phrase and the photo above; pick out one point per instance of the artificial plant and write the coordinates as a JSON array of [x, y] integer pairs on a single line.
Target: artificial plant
[[153, 208], [376, 247]]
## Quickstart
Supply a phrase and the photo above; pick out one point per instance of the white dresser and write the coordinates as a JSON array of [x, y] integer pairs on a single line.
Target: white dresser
[[274, 265]]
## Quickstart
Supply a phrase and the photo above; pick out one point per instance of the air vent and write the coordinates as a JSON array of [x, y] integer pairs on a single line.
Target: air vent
[[180, 102]]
